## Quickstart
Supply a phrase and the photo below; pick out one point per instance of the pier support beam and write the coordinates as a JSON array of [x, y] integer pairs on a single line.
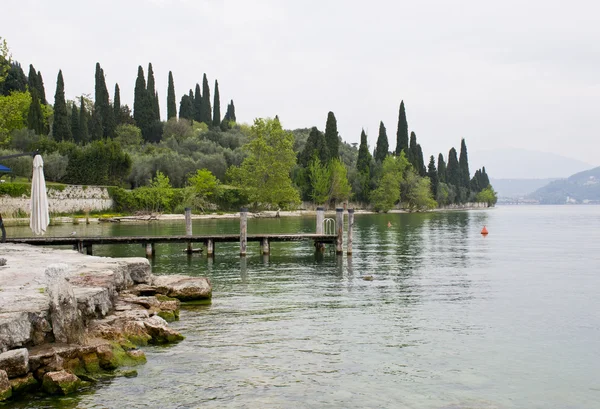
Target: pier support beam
[[350, 228], [320, 220], [150, 250], [339, 229], [243, 231], [265, 246], [88, 250], [210, 248], [188, 228]]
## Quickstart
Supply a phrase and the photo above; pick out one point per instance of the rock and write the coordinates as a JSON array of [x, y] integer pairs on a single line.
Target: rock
[[367, 278], [60, 382], [113, 356], [67, 322], [5, 386], [139, 270], [15, 330], [94, 302], [160, 332], [15, 362], [183, 287], [23, 384]]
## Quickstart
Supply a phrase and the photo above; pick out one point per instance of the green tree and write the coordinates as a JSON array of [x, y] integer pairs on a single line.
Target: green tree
[[319, 180], [186, 108], [15, 80], [35, 81], [402, 133], [152, 95], [413, 152], [171, 101], [102, 107], [217, 107], [61, 130], [5, 60], [332, 137], [128, 135], [463, 163], [83, 122], [382, 147], [418, 192], [420, 161], [441, 169], [363, 168], [488, 196], [35, 117], [339, 189], [229, 117], [315, 145], [197, 104], [75, 123], [453, 169], [387, 193], [206, 109], [117, 112], [432, 174], [265, 172]]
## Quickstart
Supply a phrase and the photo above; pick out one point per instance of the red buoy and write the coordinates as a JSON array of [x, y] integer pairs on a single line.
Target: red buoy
[[484, 231]]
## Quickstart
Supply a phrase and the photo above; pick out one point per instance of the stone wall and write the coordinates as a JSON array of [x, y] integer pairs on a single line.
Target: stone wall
[[71, 199]]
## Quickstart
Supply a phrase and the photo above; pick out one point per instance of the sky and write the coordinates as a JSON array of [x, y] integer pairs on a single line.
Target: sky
[[502, 74]]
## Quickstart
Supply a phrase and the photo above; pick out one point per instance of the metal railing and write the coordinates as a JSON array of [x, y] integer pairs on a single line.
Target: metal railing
[[329, 226]]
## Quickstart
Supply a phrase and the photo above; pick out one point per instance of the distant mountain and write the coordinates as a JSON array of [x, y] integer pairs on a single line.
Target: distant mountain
[[524, 164], [582, 187], [517, 188]]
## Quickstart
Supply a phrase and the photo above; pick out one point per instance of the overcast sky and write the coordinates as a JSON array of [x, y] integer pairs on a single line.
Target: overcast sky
[[500, 74]]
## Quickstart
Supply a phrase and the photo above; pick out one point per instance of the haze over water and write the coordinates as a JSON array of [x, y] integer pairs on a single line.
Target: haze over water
[[452, 319]]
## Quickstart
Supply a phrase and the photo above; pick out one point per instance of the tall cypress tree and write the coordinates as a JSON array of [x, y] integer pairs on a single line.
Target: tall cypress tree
[[363, 162], [315, 145], [138, 98], [413, 152], [117, 106], [75, 123], [453, 169], [331, 136], [41, 90], [441, 169], [206, 109], [216, 107], [420, 161], [186, 108], [35, 117], [83, 123], [231, 112], [152, 95], [61, 131], [402, 133], [463, 162], [32, 79], [171, 102], [104, 111], [96, 130], [485, 180], [382, 147], [197, 104], [433, 176]]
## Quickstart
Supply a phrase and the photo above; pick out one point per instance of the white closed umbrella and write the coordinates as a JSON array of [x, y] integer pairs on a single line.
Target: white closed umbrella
[[39, 200]]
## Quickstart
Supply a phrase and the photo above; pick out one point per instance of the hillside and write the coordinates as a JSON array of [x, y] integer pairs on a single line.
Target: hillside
[[517, 188], [582, 187]]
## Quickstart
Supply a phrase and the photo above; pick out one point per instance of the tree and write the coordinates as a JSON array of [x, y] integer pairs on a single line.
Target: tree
[[231, 112], [143, 106], [339, 190], [153, 95], [15, 80], [83, 122], [453, 170], [432, 174], [319, 180], [197, 104], [488, 196], [35, 117], [418, 192], [128, 135], [216, 107], [102, 107], [420, 161], [40, 88], [206, 109], [265, 172], [186, 108], [171, 102], [332, 137], [205, 186], [382, 146], [402, 133], [387, 193], [363, 168], [117, 113], [5, 60], [35, 81], [441, 169], [75, 123], [413, 152], [61, 130], [315, 146], [463, 163]]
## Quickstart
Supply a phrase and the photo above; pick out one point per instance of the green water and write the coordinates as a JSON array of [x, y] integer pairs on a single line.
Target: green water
[[451, 320]]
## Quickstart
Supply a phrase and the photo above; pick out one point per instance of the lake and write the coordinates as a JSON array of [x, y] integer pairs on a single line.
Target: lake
[[451, 320]]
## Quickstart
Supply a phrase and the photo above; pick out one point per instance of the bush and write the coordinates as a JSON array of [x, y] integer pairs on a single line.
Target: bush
[[15, 189]]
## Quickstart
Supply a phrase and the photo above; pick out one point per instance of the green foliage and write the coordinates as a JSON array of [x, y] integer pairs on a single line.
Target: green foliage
[[332, 138], [441, 169], [387, 193], [319, 177], [443, 196], [402, 132], [204, 183], [487, 195], [14, 110], [432, 174], [102, 107], [420, 161], [315, 145], [35, 116], [157, 197], [463, 164], [453, 169], [265, 172], [418, 192], [171, 101], [339, 189], [206, 113], [15, 80], [74, 121], [178, 129], [117, 112], [363, 163], [61, 129], [83, 133], [5, 60], [382, 146], [35, 81], [98, 163], [128, 136], [55, 166], [216, 122], [15, 189], [186, 108], [413, 152]]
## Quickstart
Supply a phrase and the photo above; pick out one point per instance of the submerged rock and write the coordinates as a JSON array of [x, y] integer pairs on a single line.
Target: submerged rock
[[60, 383], [15, 362], [184, 288], [24, 384]]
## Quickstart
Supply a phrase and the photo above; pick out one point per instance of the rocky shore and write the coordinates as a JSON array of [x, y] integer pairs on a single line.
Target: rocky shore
[[68, 320]]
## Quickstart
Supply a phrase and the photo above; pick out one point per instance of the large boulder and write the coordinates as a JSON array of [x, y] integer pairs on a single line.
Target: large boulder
[[5, 386], [23, 384], [160, 332], [60, 383], [15, 362], [67, 321], [183, 288]]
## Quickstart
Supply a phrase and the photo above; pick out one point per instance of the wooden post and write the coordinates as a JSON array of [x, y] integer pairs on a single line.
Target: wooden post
[[149, 250], [188, 228], [339, 228], [210, 248], [350, 226], [320, 219], [265, 246], [243, 231], [80, 247], [89, 250]]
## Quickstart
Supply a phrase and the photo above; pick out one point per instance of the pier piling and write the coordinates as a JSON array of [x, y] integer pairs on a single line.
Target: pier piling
[[339, 228], [243, 231], [210, 248], [350, 228], [320, 220], [188, 228]]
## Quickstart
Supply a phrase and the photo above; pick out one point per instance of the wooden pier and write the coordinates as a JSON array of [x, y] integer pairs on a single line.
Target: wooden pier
[[85, 244]]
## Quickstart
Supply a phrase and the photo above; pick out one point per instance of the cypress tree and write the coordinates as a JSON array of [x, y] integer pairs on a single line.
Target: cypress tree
[[15, 80], [402, 133], [453, 169], [35, 117], [485, 180], [61, 131], [171, 102], [104, 111], [83, 123], [231, 111], [75, 123], [432, 173], [186, 109], [331, 136], [413, 152], [463, 162], [420, 161], [315, 144], [152, 95], [40, 88], [382, 147], [216, 107], [441, 169], [32, 81], [138, 99], [96, 131], [206, 109], [197, 104], [117, 106], [474, 184], [363, 163]]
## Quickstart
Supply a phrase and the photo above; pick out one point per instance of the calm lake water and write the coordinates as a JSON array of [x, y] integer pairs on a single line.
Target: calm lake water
[[451, 320]]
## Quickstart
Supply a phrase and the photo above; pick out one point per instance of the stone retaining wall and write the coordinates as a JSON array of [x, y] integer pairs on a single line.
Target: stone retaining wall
[[72, 199]]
